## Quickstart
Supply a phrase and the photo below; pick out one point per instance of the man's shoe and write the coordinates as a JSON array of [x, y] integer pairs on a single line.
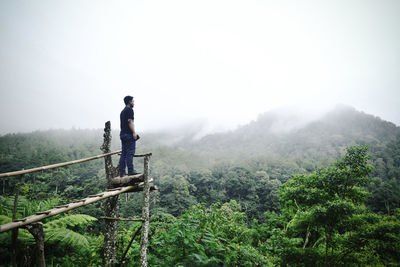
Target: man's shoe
[[121, 175]]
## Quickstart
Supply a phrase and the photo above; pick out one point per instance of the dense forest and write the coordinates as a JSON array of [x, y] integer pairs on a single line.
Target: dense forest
[[270, 193]]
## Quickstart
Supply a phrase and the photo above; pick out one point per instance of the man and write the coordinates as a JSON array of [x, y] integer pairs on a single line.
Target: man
[[128, 137]]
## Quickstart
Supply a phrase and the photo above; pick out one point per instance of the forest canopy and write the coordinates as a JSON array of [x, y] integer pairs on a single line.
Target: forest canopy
[[325, 194]]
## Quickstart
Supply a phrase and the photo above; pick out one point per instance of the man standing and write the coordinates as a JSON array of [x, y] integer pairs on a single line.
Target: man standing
[[128, 137]]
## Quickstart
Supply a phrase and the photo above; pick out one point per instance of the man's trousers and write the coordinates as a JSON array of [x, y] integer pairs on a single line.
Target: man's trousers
[[128, 151]]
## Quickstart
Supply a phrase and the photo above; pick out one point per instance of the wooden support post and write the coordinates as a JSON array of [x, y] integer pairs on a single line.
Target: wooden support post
[[145, 214], [111, 207], [36, 229]]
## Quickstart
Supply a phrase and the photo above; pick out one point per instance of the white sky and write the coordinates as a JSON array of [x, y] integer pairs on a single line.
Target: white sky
[[69, 63]]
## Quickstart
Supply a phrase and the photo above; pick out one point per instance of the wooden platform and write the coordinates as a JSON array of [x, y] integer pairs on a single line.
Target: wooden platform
[[127, 180]]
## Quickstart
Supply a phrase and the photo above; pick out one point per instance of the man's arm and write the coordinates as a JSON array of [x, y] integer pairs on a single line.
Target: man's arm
[[132, 127]]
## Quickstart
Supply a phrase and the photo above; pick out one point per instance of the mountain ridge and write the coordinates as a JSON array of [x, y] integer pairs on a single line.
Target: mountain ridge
[[337, 129]]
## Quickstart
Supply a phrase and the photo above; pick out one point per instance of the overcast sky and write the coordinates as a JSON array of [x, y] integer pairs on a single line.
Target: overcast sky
[[69, 63]]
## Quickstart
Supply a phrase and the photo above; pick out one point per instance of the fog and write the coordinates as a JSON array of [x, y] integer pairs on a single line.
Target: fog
[[218, 64]]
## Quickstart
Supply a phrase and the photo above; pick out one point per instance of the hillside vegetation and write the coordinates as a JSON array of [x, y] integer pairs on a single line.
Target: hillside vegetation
[[272, 192]]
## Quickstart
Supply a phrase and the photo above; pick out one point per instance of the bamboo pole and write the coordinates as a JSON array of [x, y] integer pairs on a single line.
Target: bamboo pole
[[53, 166], [145, 214], [61, 209], [110, 205]]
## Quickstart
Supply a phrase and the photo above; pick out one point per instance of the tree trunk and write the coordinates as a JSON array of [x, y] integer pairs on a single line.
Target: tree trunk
[[36, 229], [111, 205], [14, 246]]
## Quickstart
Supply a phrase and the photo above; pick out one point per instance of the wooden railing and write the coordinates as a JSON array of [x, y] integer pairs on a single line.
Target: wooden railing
[[58, 165], [39, 216], [139, 182]]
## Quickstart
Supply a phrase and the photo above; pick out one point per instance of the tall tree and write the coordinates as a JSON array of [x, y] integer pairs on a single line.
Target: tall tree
[[322, 209]]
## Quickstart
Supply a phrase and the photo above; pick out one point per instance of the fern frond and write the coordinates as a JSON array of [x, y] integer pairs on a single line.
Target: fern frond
[[26, 237], [47, 204], [6, 205], [4, 219], [29, 207], [5, 239], [25, 206], [23, 236], [66, 238], [70, 221]]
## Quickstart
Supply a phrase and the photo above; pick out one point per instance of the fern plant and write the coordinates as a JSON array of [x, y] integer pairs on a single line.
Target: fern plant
[[26, 207], [64, 231]]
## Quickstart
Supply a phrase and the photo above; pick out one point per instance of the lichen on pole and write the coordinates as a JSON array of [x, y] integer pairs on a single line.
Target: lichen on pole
[[111, 205], [145, 214]]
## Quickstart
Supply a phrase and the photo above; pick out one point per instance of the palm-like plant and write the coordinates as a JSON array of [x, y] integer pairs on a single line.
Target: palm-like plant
[[65, 232]]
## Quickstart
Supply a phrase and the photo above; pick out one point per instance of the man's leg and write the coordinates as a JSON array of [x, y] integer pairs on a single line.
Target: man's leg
[[131, 147], [122, 159]]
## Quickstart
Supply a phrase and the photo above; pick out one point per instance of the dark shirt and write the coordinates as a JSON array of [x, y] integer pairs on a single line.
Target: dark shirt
[[126, 113]]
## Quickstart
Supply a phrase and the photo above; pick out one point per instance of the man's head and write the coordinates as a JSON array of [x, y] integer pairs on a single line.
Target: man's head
[[128, 100]]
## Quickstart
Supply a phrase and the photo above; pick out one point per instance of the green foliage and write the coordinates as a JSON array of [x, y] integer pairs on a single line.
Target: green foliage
[[25, 206], [4, 219], [72, 221], [203, 236], [62, 234], [320, 219], [325, 221], [176, 193], [67, 241], [66, 238]]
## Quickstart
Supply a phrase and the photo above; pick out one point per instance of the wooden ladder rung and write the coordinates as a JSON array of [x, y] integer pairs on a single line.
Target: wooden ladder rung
[[153, 187], [61, 206], [43, 212], [79, 200], [113, 189], [20, 220], [98, 195]]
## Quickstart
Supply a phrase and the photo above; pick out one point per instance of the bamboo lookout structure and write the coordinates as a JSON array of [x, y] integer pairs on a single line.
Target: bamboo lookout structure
[[115, 186]]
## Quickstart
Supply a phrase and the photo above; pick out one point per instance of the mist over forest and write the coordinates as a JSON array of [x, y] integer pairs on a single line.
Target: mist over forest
[[254, 164], [246, 177]]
